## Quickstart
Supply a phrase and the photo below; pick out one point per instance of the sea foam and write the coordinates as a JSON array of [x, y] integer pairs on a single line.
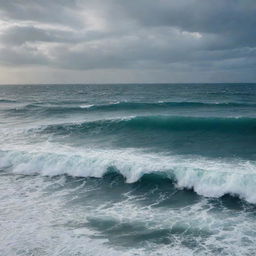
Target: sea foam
[[207, 177]]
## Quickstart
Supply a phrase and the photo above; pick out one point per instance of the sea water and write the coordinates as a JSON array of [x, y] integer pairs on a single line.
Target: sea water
[[147, 169]]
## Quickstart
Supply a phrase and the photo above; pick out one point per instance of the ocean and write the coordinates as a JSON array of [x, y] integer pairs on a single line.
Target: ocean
[[146, 169]]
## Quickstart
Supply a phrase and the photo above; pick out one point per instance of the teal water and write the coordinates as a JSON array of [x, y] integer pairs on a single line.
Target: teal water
[[128, 169]]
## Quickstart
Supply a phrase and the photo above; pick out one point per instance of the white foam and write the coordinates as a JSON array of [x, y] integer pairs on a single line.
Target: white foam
[[39, 221], [208, 177], [86, 106]]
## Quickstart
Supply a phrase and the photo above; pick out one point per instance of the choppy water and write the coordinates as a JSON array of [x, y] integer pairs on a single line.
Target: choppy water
[[128, 169]]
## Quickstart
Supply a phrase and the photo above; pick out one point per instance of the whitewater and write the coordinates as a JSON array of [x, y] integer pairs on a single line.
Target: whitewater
[[128, 169]]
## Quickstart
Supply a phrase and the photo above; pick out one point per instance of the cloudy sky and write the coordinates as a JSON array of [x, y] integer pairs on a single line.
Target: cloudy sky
[[105, 41]]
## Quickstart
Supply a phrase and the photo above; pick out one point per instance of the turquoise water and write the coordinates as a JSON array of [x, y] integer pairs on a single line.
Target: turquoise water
[[128, 169]]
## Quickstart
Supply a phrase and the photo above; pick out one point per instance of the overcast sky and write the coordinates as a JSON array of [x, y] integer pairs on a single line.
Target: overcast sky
[[105, 41]]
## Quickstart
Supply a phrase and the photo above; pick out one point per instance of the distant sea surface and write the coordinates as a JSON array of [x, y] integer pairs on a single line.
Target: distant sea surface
[[157, 169]]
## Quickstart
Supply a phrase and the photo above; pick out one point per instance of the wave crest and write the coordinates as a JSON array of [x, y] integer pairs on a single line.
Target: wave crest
[[71, 107], [211, 178], [171, 123]]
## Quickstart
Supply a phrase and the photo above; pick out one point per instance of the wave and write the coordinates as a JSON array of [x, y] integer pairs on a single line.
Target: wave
[[86, 106], [207, 177], [163, 104], [71, 107], [240, 125], [7, 101]]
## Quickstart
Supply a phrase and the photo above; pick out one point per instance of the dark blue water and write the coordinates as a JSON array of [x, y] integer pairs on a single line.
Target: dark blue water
[[128, 169]]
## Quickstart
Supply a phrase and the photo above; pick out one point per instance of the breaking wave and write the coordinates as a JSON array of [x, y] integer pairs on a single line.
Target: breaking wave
[[207, 177]]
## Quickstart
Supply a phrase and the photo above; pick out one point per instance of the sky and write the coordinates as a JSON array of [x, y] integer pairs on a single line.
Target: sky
[[127, 41]]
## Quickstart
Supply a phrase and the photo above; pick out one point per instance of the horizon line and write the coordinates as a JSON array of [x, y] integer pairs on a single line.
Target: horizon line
[[124, 83]]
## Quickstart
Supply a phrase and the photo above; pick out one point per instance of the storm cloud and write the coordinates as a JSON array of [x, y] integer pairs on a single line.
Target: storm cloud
[[50, 41]]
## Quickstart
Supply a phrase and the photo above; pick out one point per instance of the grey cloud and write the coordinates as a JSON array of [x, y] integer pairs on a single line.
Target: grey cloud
[[21, 56], [19, 35], [57, 11], [220, 16], [182, 36]]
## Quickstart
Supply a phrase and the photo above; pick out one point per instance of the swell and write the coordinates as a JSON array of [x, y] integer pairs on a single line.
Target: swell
[[50, 108], [7, 101], [150, 105], [207, 177], [170, 123]]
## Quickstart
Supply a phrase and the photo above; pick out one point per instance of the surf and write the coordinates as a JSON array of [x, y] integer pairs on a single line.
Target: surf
[[207, 177]]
